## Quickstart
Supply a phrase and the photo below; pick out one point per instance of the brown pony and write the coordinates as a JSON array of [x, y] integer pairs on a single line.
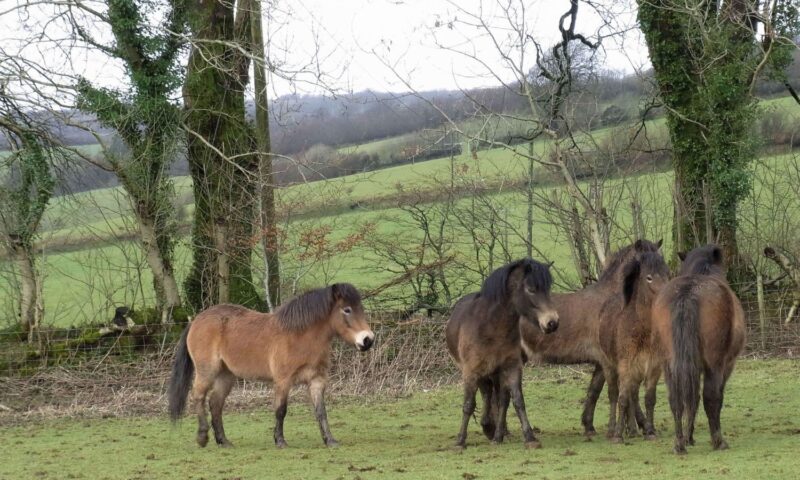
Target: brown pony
[[483, 337], [579, 323], [288, 347], [698, 328], [624, 336]]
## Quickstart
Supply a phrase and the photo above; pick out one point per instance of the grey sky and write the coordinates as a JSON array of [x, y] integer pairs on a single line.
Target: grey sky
[[353, 41]]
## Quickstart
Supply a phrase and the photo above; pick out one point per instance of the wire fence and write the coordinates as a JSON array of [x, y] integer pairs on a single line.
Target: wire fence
[[108, 372]]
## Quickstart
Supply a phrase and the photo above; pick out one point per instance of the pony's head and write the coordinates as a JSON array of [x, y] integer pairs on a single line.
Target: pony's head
[[613, 270], [705, 260], [525, 284], [644, 277], [348, 318]]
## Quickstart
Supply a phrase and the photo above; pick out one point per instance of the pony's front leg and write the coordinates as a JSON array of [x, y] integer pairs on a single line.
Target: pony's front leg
[[316, 389], [650, 403], [514, 383], [280, 405], [624, 404], [612, 380], [590, 404]]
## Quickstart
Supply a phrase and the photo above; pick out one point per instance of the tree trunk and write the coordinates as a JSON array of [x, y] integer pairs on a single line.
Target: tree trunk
[[23, 255], [223, 265], [269, 234], [224, 169], [163, 276], [704, 59]]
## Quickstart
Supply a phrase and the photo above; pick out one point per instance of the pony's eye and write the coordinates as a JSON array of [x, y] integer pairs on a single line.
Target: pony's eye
[[347, 310], [649, 279], [529, 291]]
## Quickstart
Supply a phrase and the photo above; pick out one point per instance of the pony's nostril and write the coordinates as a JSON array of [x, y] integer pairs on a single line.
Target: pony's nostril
[[552, 325], [366, 343]]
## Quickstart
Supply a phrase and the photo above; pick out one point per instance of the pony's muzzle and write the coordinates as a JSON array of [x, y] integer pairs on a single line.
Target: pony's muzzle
[[549, 322], [365, 340]]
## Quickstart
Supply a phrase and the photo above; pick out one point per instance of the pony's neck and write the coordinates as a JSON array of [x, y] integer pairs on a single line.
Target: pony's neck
[[506, 317]]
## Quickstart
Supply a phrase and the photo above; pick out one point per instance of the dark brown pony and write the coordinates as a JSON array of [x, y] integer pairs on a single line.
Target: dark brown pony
[[288, 347], [698, 329], [483, 337], [625, 338], [579, 323]]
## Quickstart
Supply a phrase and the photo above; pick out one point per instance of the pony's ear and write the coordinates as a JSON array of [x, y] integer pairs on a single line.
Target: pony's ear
[[631, 275], [638, 245], [336, 292], [682, 256], [716, 254], [659, 243]]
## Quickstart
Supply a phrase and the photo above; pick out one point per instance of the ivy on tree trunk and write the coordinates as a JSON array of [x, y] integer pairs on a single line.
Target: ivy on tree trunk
[[704, 58]]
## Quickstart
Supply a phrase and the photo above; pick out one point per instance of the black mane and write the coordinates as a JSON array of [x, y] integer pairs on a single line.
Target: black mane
[[537, 274], [312, 306], [622, 256], [705, 260]]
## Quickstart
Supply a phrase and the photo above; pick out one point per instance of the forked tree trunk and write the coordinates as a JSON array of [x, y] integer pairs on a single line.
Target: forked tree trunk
[[163, 276], [23, 256]]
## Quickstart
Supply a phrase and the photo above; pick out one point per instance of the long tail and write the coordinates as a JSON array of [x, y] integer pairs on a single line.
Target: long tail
[[181, 381], [686, 361]]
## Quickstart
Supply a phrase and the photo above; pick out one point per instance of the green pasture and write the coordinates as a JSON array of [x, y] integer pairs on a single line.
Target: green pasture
[[412, 437], [85, 284], [106, 268]]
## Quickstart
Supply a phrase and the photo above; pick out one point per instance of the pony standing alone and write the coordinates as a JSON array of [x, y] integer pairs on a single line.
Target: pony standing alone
[[288, 347]]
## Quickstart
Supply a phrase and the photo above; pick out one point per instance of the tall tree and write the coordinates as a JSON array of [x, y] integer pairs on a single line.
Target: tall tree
[[706, 59], [221, 154], [147, 40]]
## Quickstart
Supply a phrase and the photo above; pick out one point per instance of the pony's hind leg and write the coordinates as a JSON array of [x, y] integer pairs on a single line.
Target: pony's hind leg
[[513, 381], [200, 389], [316, 390], [280, 404], [590, 404], [676, 405], [470, 388], [216, 401], [713, 394]]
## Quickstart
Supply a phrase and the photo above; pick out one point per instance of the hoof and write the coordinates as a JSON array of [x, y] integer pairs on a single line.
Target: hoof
[[281, 443], [617, 440], [332, 443], [691, 442], [650, 436], [589, 432], [459, 447], [721, 445], [533, 445], [679, 450], [202, 440], [225, 444]]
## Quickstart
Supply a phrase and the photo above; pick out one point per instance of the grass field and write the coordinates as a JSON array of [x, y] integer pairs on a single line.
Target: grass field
[[411, 438]]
